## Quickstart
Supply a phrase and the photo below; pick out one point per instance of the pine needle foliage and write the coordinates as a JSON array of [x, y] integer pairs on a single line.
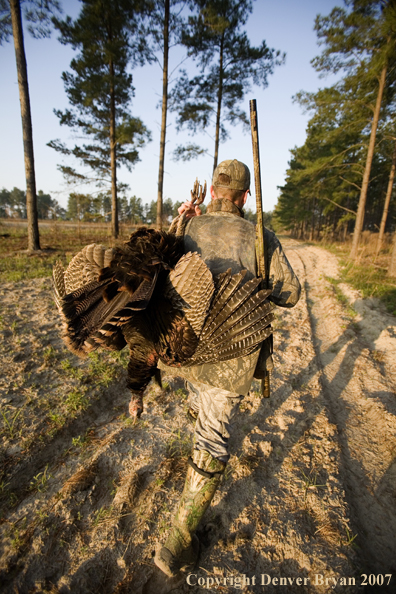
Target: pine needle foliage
[[337, 181], [99, 89], [229, 65]]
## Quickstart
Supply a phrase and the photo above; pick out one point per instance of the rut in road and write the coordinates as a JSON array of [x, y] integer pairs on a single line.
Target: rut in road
[[356, 355]]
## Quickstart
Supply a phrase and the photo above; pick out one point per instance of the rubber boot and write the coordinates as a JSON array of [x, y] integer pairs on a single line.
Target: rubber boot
[[181, 548]]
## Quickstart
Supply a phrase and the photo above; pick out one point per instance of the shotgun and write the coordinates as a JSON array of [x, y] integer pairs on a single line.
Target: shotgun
[[261, 246]]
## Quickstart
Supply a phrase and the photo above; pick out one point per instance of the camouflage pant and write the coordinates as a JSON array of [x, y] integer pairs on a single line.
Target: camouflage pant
[[216, 410]]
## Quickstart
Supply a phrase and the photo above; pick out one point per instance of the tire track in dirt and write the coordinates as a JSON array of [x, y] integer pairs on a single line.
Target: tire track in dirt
[[360, 394]]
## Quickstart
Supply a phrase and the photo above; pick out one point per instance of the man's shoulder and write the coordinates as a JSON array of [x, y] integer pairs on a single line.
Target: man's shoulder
[[217, 220], [272, 239]]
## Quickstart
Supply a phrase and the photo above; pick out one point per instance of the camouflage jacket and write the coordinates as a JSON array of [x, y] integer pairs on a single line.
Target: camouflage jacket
[[224, 239]]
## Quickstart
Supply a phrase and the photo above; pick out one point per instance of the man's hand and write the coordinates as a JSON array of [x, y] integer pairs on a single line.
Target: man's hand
[[191, 208]]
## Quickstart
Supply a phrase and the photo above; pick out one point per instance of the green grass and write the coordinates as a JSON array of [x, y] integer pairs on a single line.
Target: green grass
[[179, 445], [23, 267], [40, 481], [75, 372], [76, 400], [101, 515], [58, 241], [372, 282], [341, 298], [101, 370], [10, 425]]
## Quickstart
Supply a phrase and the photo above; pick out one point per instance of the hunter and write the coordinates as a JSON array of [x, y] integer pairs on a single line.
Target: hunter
[[224, 239]]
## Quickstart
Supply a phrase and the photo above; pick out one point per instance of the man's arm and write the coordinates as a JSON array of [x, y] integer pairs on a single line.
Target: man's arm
[[286, 288]]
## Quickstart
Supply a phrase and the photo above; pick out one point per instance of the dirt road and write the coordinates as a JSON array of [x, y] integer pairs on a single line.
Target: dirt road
[[309, 493]]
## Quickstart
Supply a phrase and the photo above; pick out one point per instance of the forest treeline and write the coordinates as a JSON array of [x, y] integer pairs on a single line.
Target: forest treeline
[[97, 209], [109, 40], [341, 180]]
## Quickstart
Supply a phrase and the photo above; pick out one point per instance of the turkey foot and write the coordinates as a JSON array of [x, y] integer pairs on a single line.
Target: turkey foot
[[136, 406]]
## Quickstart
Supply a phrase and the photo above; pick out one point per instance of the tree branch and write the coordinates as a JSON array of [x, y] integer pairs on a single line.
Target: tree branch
[[351, 183], [339, 205]]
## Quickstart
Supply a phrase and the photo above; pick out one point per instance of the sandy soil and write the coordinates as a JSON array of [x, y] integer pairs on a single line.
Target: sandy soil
[[310, 491]]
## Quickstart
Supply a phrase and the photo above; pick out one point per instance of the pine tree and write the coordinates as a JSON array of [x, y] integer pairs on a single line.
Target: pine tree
[[361, 42], [392, 266], [165, 29], [329, 175], [229, 66], [326, 173], [99, 89], [387, 202], [38, 14]]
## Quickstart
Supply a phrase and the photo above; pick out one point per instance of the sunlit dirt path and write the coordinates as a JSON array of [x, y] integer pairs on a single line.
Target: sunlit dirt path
[[309, 492], [356, 354]]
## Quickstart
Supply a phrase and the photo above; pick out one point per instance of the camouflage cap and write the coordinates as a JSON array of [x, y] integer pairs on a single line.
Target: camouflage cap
[[238, 173]]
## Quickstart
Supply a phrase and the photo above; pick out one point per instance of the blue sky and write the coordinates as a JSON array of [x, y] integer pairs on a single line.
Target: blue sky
[[286, 25]]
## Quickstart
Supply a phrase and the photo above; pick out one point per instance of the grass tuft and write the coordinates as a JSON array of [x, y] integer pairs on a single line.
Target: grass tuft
[[179, 445], [76, 401], [341, 298]]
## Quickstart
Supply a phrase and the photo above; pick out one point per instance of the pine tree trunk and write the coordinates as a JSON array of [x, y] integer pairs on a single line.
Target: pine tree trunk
[[113, 158], [164, 114], [392, 266], [312, 232], [386, 205], [366, 176], [345, 232], [219, 100], [334, 229], [31, 197]]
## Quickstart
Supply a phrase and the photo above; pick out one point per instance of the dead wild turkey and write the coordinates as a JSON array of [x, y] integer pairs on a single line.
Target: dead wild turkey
[[161, 302]]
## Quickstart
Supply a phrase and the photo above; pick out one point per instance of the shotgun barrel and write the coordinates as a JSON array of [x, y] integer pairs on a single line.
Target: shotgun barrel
[[261, 246]]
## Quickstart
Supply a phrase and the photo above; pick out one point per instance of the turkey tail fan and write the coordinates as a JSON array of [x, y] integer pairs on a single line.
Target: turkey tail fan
[[263, 320], [108, 337], [99, 282], [236, 350], [82, 300], [141, 297], [238, 322], [190, 287], [241, 312], [234, 340], [226, 289], [79, 280], [86, 266], [231, 299], [86, 314], [101, 319], [58, 283]]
